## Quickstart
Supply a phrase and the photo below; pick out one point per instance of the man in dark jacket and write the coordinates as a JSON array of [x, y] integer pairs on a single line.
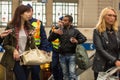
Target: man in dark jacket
[[40, 41], [69, 37]]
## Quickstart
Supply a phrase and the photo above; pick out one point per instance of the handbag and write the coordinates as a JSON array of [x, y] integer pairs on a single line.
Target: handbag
[[108, 75], [35, 57], [82, 59]]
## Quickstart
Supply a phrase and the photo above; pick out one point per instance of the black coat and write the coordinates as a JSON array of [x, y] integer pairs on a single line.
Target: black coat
[[103, 56], [65, 45]]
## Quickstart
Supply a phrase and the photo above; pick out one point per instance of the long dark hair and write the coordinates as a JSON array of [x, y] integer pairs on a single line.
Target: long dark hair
[[16, 20]]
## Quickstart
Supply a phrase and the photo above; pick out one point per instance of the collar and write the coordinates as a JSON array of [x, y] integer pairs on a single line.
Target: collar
[[33, 20]]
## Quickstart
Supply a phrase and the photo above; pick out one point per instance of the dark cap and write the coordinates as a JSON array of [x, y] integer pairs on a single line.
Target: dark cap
[[61, 18], [29, 6]]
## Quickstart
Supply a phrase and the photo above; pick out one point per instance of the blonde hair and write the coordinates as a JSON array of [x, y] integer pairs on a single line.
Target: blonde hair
[[101, 25]]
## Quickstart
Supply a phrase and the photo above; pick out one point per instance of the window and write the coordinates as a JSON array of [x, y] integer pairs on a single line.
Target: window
[[61, 9], [5, 12], [39, 10]]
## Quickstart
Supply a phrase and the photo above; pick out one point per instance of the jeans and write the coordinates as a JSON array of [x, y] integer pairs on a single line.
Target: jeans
[[68, 65], [56, 68], [21, 72], [35, 72]]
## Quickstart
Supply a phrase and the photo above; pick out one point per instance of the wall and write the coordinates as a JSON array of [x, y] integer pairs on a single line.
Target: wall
[[88, 13]]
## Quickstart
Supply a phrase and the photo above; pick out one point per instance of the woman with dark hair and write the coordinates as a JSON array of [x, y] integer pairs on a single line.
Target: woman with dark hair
[[17, 42]]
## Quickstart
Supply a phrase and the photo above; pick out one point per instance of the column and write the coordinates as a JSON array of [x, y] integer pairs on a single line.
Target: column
[[15, 4], [49, 11]]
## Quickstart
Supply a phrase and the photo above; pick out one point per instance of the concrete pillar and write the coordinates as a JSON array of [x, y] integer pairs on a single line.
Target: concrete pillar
[[49, 11], [15, 4], [116, 5], [80, 12], [87, 13]]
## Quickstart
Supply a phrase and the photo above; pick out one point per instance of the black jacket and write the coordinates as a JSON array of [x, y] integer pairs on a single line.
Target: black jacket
[[103, 54], [53, 49], [65, 45]]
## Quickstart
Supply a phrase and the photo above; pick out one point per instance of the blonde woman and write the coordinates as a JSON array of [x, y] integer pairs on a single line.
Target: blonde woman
[[106, 38]]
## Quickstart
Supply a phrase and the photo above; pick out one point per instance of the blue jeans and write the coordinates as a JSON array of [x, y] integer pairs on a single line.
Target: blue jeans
[[68, 65], [35, 72], [21, 72], [56, 68]]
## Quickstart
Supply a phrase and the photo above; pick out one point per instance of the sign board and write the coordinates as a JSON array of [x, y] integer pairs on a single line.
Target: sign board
[[89, 46]]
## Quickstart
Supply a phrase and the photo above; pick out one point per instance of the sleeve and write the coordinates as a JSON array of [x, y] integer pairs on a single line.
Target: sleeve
[[8, 42], [80, 37], [1, 39], [99, 47], [52, 36], [45, 44]]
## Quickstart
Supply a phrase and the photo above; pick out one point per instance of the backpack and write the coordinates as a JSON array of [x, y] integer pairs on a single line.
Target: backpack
[[82, 59]]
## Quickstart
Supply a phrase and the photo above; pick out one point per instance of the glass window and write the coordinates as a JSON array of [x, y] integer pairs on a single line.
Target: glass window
[[39, 10], [61, 9], [5, 12]]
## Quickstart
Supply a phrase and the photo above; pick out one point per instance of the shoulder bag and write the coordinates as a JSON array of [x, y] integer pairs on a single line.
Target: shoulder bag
[[35, 57]]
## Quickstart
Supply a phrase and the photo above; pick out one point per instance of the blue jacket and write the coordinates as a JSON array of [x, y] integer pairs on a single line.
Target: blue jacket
[[44, 45]]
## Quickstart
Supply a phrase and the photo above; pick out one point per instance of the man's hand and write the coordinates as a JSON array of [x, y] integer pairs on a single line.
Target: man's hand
[[73, 40]]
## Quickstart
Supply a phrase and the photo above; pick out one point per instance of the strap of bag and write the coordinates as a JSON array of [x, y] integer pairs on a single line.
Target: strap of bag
[[113, 70]]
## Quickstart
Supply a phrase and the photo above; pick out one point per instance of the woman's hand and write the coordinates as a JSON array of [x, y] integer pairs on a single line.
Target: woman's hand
[[5, 33], [16, 55]]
